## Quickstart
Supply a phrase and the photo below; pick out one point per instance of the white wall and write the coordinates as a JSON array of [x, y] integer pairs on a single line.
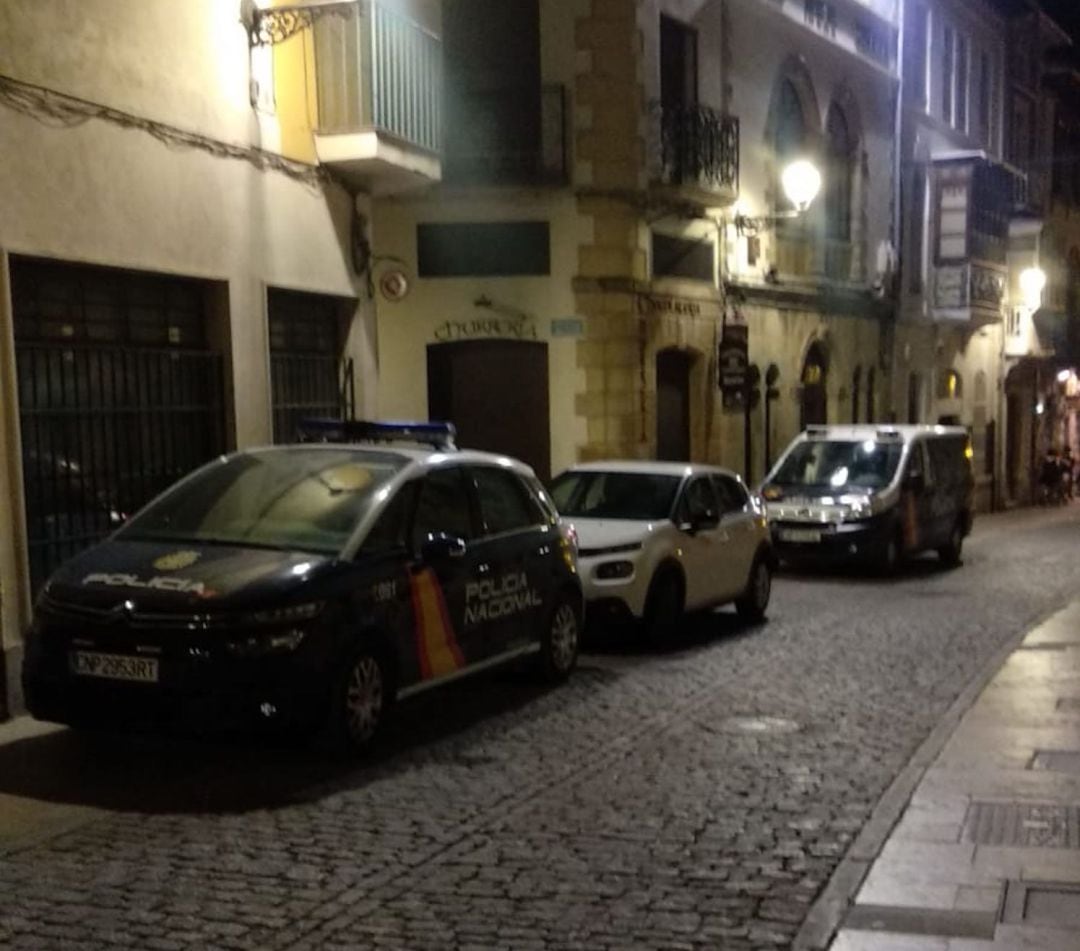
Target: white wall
[[97, 192]]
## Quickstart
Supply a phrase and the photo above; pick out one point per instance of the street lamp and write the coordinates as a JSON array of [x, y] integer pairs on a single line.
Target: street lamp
[[801, 182]]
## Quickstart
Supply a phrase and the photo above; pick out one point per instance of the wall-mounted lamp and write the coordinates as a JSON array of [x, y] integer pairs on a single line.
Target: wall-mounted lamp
[[1032, 283], [801, 182]]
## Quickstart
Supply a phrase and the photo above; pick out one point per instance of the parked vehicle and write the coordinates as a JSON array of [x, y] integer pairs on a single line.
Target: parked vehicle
[[657, 539], [299, 584], [872, 493]]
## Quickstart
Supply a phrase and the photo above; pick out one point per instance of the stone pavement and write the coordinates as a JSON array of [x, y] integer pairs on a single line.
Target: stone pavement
[[987, 852]]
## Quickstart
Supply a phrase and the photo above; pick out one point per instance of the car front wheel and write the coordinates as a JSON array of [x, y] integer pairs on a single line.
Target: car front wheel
[[663, 608], [361, 700], [753, 604]]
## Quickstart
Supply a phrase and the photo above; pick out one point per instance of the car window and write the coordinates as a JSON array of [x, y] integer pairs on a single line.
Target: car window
[[443, 506], [699, 501], [505, 505], [916, 462], [290, 498], [391, 530], [732, 493], [621, 495]]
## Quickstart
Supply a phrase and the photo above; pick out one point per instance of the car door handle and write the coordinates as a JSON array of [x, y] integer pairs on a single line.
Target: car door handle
[[483, 568]]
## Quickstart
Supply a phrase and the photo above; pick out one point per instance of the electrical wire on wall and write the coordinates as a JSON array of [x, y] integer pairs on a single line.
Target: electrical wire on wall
[[62, 111]]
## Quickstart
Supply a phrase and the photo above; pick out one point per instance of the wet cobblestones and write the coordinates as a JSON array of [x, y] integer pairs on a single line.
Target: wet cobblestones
[[622, 810]]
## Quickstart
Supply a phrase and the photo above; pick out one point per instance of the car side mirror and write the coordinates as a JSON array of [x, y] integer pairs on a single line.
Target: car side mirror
[[439, 546]]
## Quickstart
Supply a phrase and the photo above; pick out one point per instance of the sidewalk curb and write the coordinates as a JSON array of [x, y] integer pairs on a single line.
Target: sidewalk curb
[[823, 921]]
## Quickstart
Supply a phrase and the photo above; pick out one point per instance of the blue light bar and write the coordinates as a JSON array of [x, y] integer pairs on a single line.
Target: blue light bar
[[439, 435]]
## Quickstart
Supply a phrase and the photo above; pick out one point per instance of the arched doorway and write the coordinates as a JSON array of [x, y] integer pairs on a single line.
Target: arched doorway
[[496, 393], [815, 371], [673, 405]]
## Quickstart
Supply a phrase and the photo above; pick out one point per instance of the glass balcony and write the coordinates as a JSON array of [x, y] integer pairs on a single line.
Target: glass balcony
[[695, 150], [378, 80]]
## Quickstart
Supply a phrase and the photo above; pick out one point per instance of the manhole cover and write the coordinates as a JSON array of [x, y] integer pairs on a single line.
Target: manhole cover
[[1056, 761], [759, 725], [1024, 825]]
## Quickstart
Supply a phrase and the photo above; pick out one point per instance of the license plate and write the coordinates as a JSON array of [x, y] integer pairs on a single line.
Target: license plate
[[800, 535], [114, 666]]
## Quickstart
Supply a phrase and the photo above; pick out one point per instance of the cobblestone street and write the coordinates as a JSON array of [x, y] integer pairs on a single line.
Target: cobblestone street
[[697, 798]]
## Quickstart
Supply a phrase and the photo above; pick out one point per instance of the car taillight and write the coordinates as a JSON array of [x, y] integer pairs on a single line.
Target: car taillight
[[570, 534]]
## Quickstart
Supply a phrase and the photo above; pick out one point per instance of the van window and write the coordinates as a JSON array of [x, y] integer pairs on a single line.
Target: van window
[[840, 465], [947, 460]]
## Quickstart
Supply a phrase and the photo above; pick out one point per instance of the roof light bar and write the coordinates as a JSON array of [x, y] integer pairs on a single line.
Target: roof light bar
[[439, 435]]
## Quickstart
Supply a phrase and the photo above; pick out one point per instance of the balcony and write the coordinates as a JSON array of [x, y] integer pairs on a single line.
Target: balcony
[[975, 198], [694, 151], [378, 80]]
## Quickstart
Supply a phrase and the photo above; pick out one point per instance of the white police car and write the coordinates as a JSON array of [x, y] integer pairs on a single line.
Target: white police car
[[660, 538], [305, 583]]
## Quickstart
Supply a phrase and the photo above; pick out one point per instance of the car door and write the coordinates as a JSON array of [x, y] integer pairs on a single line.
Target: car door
[[514, 551], [916, 500], [446, 565], [739, 521], [705, 561]]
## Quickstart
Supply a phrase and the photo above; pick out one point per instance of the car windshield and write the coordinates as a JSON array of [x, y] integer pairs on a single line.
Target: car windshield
[[839, 464], [630, 495], [290, 498]]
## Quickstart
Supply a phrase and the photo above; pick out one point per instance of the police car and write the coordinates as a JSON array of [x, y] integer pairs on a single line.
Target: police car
[[660, 538], [311, 583]]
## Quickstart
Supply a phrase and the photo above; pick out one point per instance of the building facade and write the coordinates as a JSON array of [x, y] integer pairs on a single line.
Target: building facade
[[179, 272]]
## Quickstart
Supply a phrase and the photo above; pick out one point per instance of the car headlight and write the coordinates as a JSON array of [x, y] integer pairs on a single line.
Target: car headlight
[[613, 569], [258, 645]]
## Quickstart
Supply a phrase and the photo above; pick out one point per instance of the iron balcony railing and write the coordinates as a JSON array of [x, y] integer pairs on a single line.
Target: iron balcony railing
[[696, 146], [377, 69]]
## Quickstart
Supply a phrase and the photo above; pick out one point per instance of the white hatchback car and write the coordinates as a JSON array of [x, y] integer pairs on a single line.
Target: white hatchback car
[[656, 539]]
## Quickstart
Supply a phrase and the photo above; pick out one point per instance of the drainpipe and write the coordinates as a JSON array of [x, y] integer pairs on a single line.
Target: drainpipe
[[897, 224]]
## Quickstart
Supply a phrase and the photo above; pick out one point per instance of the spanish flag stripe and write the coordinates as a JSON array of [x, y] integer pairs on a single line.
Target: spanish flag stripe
[[437, 646]]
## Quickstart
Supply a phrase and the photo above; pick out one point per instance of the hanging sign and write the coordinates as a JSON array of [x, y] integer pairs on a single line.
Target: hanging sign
[[733, 358]]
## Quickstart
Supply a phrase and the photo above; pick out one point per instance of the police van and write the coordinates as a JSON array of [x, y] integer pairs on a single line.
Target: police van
[[872, 494], [308, 584]]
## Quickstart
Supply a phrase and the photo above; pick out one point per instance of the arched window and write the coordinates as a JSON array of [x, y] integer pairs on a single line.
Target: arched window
[[839, 174], [950, 385], [790, 139], [856, 394], [814, 399]]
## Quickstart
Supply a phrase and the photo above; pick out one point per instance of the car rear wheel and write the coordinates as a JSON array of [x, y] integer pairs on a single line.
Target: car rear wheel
[[561, 641], [663, 608], [753, 604], [361, 700], [951, 553]]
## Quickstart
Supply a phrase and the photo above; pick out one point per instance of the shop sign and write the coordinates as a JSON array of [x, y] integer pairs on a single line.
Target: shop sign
[[512, 328], [733, 358], [657, 304]]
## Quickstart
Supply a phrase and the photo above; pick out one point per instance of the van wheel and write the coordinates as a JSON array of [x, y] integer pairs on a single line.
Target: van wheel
[[361, 699], [663, 608], [560, 642], [754, 601], [889, 559], [951, 553]]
